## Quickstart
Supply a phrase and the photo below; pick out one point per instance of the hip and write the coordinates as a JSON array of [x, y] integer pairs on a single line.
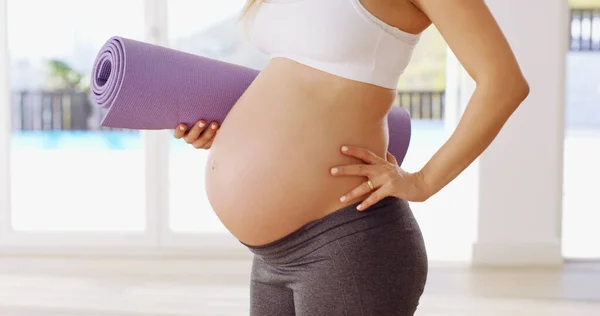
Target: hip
[[360, 263], [353, 230]]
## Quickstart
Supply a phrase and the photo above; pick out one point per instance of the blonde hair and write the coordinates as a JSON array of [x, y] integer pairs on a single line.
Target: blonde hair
[[249, 4], [245, 15]]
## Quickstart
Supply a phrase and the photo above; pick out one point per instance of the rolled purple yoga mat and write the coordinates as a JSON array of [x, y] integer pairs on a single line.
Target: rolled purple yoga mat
[[150, 87]]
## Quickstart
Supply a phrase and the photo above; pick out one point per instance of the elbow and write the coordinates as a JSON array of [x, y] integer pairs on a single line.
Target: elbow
[[508, 88], [520, 88]]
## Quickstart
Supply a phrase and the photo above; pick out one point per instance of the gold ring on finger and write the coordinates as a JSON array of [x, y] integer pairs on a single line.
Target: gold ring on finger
[[370, 184]]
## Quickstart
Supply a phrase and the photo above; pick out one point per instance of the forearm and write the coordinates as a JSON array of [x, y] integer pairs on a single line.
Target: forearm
[[488, 110]]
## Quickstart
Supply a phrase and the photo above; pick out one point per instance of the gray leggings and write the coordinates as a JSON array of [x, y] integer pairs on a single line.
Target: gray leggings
[[347, 263]]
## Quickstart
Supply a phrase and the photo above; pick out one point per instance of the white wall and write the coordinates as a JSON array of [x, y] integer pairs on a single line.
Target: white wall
[[518, 192]]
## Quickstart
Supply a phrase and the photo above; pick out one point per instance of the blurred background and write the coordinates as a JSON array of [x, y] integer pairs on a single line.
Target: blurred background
[[115, 200]]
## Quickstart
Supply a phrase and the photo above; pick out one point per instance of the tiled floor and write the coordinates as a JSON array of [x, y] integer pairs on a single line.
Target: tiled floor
[[452, 290]]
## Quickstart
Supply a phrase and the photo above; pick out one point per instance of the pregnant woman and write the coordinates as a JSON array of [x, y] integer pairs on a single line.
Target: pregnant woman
[[299, 171]]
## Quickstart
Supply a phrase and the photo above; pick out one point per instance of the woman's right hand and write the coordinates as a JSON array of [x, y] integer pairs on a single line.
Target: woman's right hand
[[200, 135]]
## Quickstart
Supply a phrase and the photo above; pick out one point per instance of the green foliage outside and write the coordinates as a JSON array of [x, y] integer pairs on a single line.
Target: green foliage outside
[[427, 69], [64, 77], [584, 3]]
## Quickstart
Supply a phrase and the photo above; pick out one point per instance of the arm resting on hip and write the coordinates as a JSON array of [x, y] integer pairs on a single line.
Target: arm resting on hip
[[479, 44]]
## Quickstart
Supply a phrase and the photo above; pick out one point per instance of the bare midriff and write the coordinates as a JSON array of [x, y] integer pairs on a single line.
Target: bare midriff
[[268, 171]]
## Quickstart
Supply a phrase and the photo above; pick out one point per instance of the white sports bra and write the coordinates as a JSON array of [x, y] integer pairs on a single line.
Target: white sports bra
[[339, 37]]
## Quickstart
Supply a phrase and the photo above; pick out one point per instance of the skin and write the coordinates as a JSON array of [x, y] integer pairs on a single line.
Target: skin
[[201, 135], [372, 174], [477, 41]]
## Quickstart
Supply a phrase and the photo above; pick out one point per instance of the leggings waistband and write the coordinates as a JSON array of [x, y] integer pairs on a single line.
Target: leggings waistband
[[343, 222]]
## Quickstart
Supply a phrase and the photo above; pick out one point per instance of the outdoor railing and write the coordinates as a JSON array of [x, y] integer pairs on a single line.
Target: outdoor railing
[[426, 105], [55, 110], [72, 110], [585, 30]]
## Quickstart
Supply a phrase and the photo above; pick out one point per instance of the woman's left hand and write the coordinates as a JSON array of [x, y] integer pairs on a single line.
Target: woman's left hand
[[384, 178]]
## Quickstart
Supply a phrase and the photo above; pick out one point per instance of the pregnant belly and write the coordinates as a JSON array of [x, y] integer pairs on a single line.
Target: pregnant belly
[[268, 168], [267, 176], [263, 187]]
